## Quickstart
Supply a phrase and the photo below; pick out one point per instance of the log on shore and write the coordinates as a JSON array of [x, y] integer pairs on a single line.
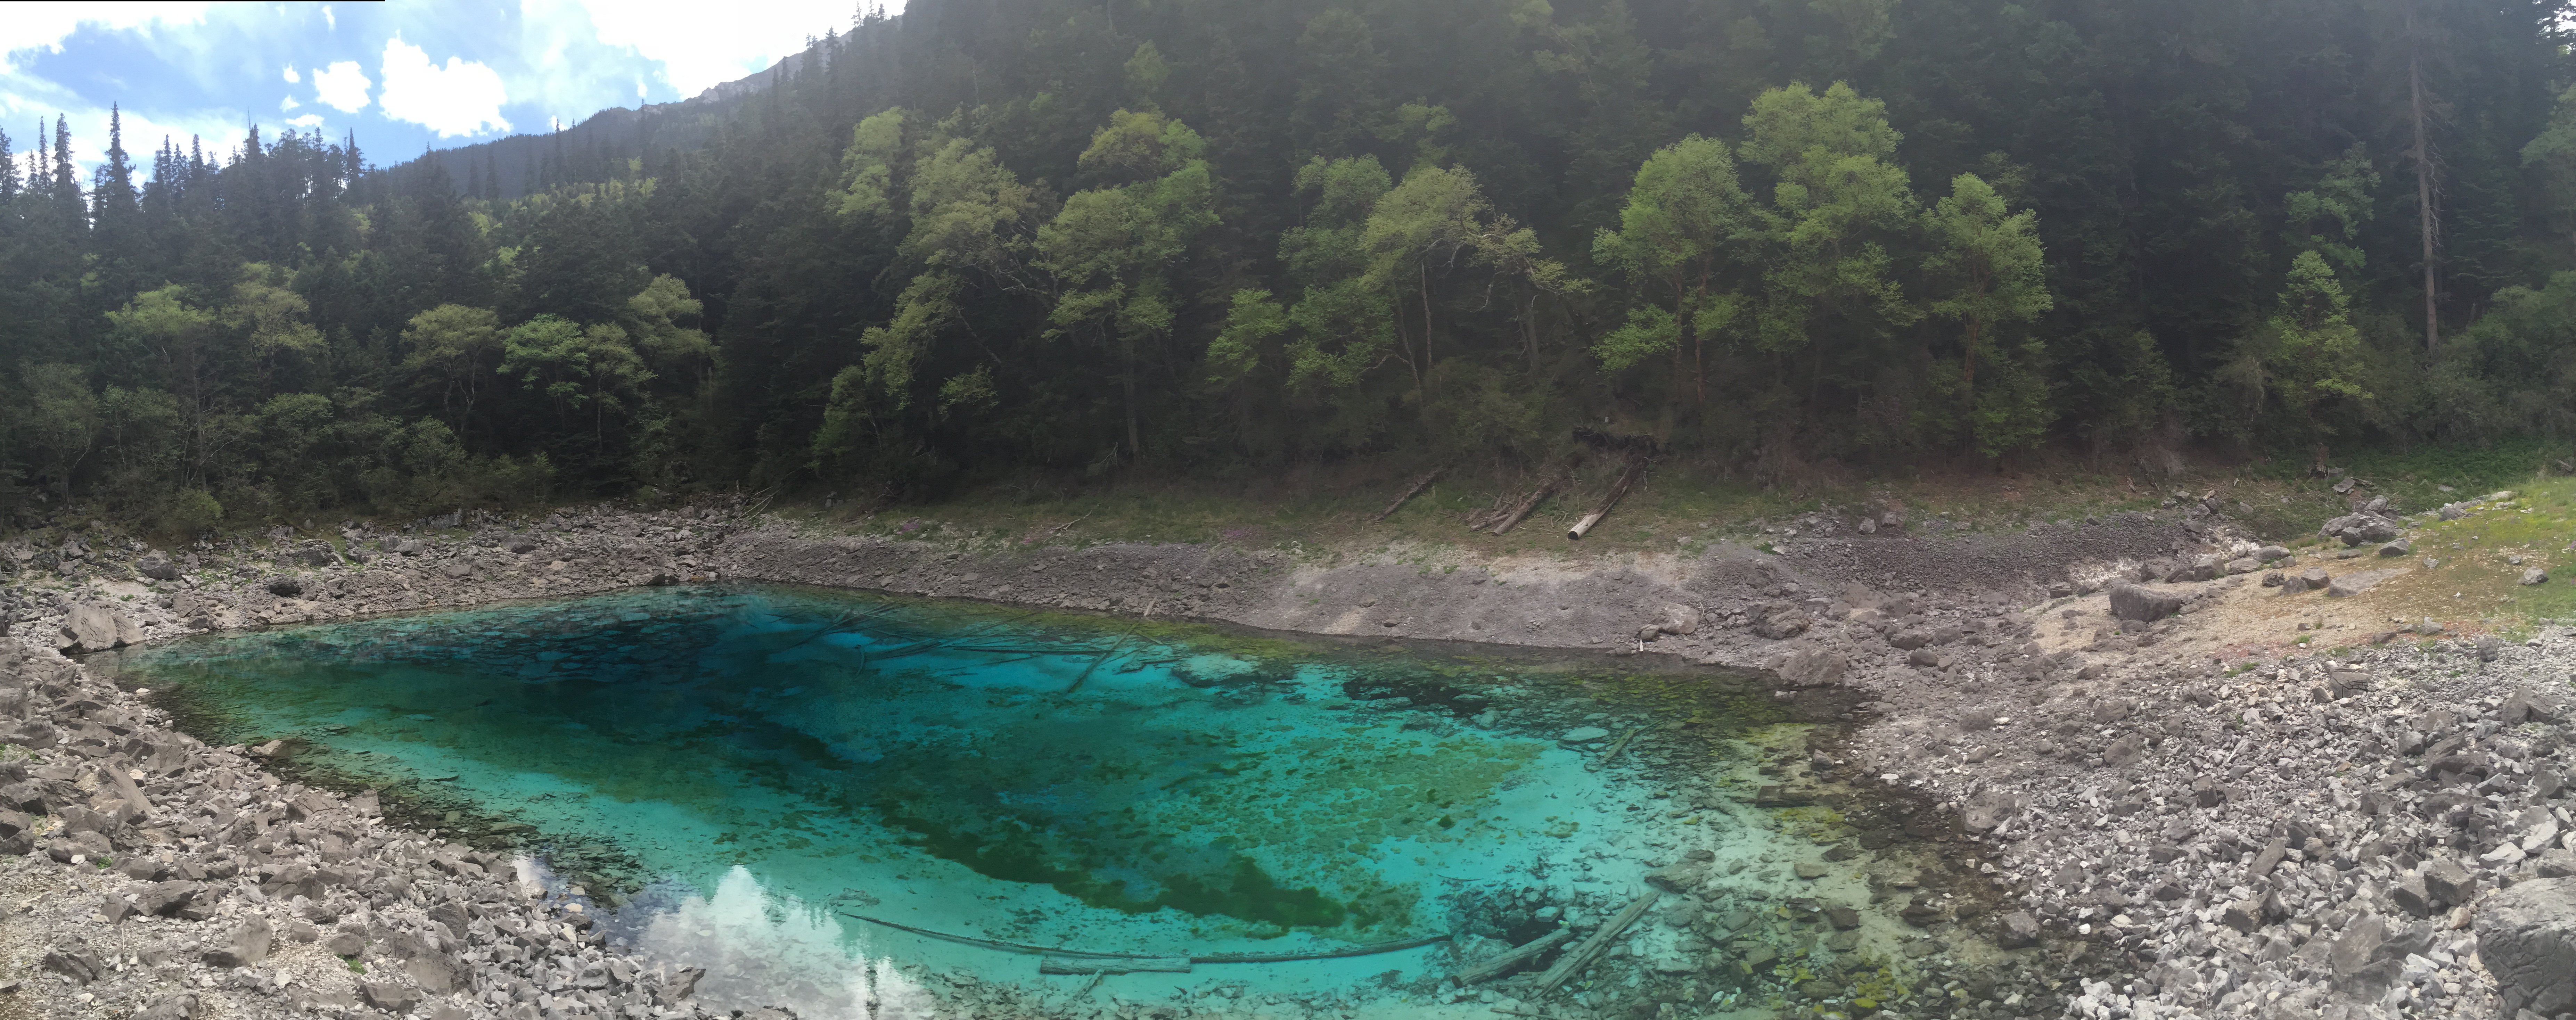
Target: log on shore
[[1419, 484], [1528, 503], [1617, 490]]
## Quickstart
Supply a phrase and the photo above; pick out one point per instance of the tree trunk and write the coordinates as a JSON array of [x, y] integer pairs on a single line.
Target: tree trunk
[[2423, 180]]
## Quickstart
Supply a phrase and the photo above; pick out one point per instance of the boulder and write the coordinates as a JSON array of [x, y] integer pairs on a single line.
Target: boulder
[[2534, 575], [1585, 735], [1812, 667], [2396, 549], [2135, 602], [2272, 552], [157, 566], [90, 627], [2527, 939], [285, 587], [2449, 883], [2246, 565]]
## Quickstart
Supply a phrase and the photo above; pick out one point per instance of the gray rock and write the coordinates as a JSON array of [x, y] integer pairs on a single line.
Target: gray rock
[[2524, 706], [2527, 939], [176, 1006], [2534, 575], [95, 628], [2489, 648], [2246, 565], [2360, 941], [1678, 619], [285, 587], [390, 996], [1585, 735], [2019, 929], [2395, 549], [2135, 602], [157, 566], [246, 945], [1679, 877], [2272, 552], [165, 899], [2449, 883], [2360, 581], [1812, 667], [1779, 624]]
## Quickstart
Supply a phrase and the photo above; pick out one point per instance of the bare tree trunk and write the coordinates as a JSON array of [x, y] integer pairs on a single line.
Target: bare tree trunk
[[2423, 180]]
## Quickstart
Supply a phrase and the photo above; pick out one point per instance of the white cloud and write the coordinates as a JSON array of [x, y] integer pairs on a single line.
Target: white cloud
[[308, 120], [288, 103], [342, 86], [293, 78], [44, 26], [330, 20], [696, 51], [463, 97]]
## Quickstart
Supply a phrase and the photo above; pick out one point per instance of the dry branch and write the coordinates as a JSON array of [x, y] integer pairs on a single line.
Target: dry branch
[[1127, 965]]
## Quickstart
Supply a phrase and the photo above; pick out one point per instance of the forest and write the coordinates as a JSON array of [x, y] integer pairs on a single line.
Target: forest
[[1086, 239]]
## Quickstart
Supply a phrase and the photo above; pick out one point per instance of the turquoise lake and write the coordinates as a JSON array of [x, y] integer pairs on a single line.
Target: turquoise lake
[[749, 778]]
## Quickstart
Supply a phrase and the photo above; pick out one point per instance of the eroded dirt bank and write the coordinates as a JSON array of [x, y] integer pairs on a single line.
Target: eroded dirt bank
[[2226, 830]]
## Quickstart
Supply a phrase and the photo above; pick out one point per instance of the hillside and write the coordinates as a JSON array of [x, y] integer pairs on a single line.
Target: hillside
[[1057, 245]]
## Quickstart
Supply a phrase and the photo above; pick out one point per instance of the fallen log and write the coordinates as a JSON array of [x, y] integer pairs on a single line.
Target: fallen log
[[1582, 956], [1617, 489], [1052, 964], [1419, 484], [1530, 502], [1514, 957]]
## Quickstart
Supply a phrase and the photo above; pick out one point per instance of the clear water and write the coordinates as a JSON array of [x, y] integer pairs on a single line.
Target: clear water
[[761, 769]]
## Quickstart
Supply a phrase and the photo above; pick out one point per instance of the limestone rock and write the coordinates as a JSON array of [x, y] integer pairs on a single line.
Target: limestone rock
[[2527, 939], [2534, 575], [1585, 735]]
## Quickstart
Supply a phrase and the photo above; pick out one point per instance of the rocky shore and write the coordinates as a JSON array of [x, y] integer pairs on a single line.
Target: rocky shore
[[2377, 832]]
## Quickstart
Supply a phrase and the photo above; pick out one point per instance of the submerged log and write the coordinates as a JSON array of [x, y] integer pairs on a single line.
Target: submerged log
[[1052, 964], [1617, 489], [1419, 484], [1514, 957], [1572, 963]]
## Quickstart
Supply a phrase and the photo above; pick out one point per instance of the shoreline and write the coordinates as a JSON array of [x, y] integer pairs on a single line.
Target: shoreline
[[2167, 859]]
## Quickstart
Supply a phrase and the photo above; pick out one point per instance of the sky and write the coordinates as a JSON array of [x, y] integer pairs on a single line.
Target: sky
[[405, 76]]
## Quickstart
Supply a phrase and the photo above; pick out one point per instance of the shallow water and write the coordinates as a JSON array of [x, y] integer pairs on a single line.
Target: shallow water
[[765, 769]]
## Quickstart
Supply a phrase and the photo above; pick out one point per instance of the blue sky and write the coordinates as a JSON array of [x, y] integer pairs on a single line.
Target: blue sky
[[404, 75]]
